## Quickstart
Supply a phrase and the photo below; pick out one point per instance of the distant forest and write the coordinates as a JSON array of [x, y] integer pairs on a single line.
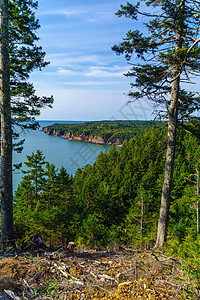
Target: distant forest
[[109, 131]]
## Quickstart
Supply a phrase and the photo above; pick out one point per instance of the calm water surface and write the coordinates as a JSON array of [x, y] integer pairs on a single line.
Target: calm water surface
[[57, 150]]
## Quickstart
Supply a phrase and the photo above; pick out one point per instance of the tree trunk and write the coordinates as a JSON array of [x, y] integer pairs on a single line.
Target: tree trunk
[[142, 214], [172, 125], [7, 228], [197, 217], [197, 201], [169, 163]]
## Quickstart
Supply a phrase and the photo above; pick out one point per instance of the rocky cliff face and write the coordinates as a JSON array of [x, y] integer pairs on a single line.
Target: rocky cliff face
[[81, 138]]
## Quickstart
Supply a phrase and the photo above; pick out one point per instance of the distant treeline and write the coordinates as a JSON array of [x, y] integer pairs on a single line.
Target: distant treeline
[[109, 131]]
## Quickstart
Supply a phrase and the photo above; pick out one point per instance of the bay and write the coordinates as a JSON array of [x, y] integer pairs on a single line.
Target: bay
[[57, 150]]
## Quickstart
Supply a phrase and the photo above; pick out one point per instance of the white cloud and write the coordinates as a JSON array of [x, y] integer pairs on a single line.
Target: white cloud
[[83, 74], [91, 83], [70, 12], [64, 12], [65, 72], [65, 59], [95, 13], [102, 16], [106, 71], [95, 71]]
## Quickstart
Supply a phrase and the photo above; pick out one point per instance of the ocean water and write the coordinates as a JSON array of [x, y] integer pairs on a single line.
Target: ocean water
[[57, 150]]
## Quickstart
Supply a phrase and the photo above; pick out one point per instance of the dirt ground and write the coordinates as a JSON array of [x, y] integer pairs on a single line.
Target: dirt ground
[[124, 274]]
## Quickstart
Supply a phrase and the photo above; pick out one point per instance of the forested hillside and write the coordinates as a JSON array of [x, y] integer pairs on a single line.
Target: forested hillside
[[116, 200], [115, 203], [100, 132]]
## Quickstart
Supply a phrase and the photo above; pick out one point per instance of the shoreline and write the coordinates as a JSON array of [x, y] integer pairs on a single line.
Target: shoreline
[[96, 140]]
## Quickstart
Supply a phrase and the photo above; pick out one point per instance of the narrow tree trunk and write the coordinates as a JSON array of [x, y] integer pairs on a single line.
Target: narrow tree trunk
[[172, 125], [197, 201], [197, 217], [169, 163], [142, 214], [7, 229]]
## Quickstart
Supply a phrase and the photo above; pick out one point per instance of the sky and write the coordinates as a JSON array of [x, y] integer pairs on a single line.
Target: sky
[[84, 75]]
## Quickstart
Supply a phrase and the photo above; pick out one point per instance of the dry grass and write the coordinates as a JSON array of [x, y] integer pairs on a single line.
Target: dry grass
[[125, 274]]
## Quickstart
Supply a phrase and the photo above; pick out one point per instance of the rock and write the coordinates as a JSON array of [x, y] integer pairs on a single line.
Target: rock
[[93, 139]]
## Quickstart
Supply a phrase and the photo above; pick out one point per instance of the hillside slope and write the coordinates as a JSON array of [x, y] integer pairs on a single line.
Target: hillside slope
[[100, 132]]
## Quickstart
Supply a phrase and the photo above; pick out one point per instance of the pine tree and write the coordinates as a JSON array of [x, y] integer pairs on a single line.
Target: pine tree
[[7, 229], [36, 173], [170, 56], [42, 200], [19, 56], [25, 56]]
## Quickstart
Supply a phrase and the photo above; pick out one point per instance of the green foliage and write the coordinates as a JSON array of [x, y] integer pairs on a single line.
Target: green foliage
[[50, 290], [114, 201], [188, 251], [35, 172], [166, 45], [41, 201], [110, 131], [111, 188], [25, 56], [92, 232]]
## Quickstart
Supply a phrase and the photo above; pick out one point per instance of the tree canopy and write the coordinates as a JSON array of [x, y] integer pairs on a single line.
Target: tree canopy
[[19, 55], [115, 200], [166, 24], [168, 47], [25, 56], [112, 132]]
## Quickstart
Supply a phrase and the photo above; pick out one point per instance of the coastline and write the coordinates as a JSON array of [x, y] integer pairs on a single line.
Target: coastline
[[83, 138]]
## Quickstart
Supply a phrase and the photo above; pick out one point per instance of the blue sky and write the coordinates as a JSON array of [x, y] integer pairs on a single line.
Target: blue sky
[[85, 76]]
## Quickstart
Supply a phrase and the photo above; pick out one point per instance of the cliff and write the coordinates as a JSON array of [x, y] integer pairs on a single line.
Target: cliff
[[93, 139]]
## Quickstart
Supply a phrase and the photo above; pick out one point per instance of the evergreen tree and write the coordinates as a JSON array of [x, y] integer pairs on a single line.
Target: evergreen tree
[[7, 229], [51, 177], [42, 201], [25, 56], [35, 172], [18, 40], [170, 55], [116, 200]]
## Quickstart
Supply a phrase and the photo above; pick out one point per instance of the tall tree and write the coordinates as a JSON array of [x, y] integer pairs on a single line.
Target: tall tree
[[19, 57], [25, 56], [170, 56], [7, 228], [35, 171]]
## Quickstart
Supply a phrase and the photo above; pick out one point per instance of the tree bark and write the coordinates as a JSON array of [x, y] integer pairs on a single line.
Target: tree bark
[[7, 228], [142, 214], [197, 201], [169, 163], [172, 126]]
